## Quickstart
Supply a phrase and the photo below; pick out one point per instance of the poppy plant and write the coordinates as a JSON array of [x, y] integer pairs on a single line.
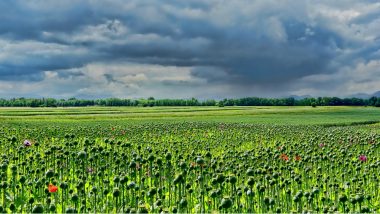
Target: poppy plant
[[363, 158], [90, 170], [27, 143], [284, 157], [52, 188]]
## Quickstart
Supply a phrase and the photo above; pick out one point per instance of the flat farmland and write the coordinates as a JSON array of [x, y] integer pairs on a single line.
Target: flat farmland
[[190, 159]]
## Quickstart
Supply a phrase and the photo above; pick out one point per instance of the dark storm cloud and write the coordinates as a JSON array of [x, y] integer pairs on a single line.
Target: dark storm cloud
[[243, 43]]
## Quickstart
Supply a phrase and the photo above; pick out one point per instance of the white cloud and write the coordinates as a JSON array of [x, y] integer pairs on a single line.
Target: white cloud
[[364, 77]]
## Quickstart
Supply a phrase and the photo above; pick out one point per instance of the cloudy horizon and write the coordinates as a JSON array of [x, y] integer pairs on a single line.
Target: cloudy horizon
[[182, 49]]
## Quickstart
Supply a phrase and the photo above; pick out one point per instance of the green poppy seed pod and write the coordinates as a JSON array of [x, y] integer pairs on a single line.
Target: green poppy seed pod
[[131, 185], [261, 189], [315, 191], [118, 161], [168, 156], [226, 203], [306, 194], [178, 179], [250, 172], [75, 198], [251, 182], [70, 210], [343, 198], [49, 173], [106, 191], [13, 139], [271, 201], [208, 155], [213, 194], [4, 167], [52, 208], [116, 179], [174, 209], [142, 209], [132, 165], [22, 179], [266, 200], [13, 168], [152, 192], [275, 175], [151, 158], [31, 200], [12, 207], [82, 155], [353, 201], [116, 192], [86, 141], [158, 202], [123, 180], [183, 203], [365, 209], [80, 185], [159, 161], [63, 185], [200, 160], [278, 210], [232, 179], [214, 181], [359, 198], [38, 208], [249, 193]]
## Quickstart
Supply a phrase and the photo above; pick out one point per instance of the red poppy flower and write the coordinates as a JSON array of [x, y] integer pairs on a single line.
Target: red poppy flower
[[284, 157], [52, 188], [297, 158]]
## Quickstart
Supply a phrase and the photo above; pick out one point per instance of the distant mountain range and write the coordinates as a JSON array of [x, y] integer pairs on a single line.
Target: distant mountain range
[[358, 95], [366, 96]]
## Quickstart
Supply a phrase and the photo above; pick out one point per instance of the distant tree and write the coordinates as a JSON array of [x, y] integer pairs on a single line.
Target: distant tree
[[372, 101], [377, 104]]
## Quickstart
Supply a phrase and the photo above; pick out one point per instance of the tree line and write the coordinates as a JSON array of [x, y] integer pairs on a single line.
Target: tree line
[[150, 102]]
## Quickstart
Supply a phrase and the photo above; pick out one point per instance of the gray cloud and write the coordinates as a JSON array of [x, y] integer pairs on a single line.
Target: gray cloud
[[233, 48]]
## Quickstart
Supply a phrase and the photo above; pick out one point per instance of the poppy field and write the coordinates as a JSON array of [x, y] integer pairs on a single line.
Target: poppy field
[[187, 166]]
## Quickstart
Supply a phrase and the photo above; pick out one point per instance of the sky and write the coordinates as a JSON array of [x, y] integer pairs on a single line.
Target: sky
[[182, 49]]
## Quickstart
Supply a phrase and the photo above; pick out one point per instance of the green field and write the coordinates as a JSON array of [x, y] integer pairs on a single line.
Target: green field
[[190, 159], [256, 115]]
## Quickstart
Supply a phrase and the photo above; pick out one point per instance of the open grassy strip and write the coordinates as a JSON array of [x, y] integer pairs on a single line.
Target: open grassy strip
[[271, 115]]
